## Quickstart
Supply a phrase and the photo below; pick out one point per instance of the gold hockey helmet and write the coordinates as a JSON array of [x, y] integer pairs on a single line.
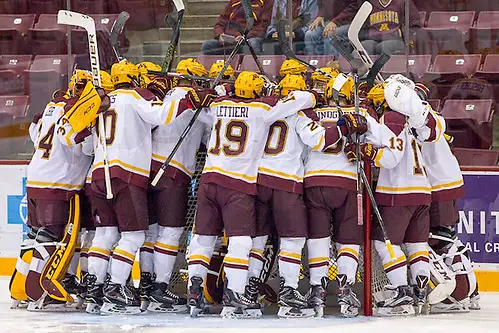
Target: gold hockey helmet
[[292, 82], [191, 66], [249, 85], [292, 66], [124, 72]]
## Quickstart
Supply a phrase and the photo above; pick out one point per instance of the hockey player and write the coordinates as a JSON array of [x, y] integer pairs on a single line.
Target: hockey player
[[320, 81], [144, 77], [330, 184], [217, 67], [168, 199], [228, 186], [293, 67], [129, 120]]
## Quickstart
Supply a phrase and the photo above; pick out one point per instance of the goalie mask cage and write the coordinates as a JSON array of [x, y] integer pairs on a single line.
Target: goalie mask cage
[[371, 277]]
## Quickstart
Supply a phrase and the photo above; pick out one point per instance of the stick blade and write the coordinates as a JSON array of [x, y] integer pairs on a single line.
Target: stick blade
[[358, 21], [68, 17], [179, 5], [118, 27]]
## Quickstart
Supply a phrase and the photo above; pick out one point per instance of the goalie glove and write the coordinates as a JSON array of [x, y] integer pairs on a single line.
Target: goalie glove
[[200, 97], [159, 86], [368, 152], [402, 80], [351, 123], [404, 99]]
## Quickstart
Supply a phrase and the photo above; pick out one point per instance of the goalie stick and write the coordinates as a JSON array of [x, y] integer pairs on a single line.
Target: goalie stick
[[249, 24], [116, 31], [170, 52], [86, 22]]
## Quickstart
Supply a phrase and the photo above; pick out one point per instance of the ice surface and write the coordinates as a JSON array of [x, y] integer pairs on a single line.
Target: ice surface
[[486, 320]]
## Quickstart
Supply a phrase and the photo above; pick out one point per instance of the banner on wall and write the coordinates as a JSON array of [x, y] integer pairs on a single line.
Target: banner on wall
[[478, 226]]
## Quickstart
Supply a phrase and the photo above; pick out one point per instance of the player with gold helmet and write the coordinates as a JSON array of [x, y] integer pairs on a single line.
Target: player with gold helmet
[[292, 66], [216, 68], [106, 82], [144, 77], [319, 80], [290, 83], [376, 96]]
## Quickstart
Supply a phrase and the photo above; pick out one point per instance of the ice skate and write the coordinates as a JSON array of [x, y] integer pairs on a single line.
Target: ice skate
[[317, 297], [119, 299], [475, 300], [420, 294], [451, 306], [47, 304], [347, 299], [72, 286], [292, 304], [251, 290], [395, 301], [163, 300], [145, 288], [16, 304], [236, 305], [195, 299], [93, 295]]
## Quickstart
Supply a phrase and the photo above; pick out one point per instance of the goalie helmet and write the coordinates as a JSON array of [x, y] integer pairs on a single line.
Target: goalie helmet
[[144, 78], [249, 85], [191, 66], [377, 97], [78, 82], [292, 66], [106, 82], [346, 91], [124, 72], [291, 82], [320, 81], [216, 68]]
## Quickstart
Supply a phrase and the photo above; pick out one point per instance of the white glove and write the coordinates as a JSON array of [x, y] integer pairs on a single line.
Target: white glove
[[401, 79], [403, 99], [220, 89]]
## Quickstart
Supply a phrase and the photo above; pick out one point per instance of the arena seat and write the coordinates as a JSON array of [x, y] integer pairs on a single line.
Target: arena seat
[[90, 6], [448, 68], [48, 37], [208, 60], [13, 32], [418, 65], [490, 68], [449, 30], [482, 157], [45, 6], [271, 64], [13, 6], [141, 13], [12, 69], [12, 107], [316, 60], [486, 32], [435, 104], [422, 18], [345, 66]]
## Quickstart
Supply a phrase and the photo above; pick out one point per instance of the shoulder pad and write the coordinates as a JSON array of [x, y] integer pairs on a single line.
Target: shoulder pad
[[145, 94]]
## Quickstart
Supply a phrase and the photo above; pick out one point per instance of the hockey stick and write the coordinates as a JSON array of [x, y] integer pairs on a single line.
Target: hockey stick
[[170, 52], [116, 31], [249, 24], [188, 77], [86, 22]]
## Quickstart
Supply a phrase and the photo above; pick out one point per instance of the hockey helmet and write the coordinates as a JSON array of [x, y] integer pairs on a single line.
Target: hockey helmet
[[292, 66], [124, 72], [377, 97], [191, 66], [78, 81], [144, 77], [106, 82], [292, 82], [216, 68], [316, 76], [249, 85], [346, 91]]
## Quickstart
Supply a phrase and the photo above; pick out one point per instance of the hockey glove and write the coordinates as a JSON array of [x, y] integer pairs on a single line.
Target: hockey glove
[[159, 86], [367, 152], [320, 100], [105, 102], [200, 97], [351, 123]]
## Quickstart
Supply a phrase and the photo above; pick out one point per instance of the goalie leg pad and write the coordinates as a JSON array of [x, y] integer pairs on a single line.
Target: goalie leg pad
[[124, 255], [165, 252], [17, 285]]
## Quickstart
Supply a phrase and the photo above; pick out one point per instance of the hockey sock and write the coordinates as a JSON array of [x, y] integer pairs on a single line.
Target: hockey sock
[[165, 252], [99, 253], [396, 270], [256, 259], [419, 261], [146, 258], [200, 251], [348, 260], [318, 259], [85, 247], [236, 262], [290, 260], [124, 255]]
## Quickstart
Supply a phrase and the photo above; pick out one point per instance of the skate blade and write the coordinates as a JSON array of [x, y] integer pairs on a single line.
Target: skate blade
[[289, 312], [475, 307], [92, 308], [167, 308], [18, 305], [349, 311], [401, 310], [194, 311], [319, 311], [115, 309], [144, 305], [36, 307], [237, 313], [434, 310]]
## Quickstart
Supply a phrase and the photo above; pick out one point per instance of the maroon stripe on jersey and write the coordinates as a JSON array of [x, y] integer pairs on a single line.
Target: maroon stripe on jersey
[[332, 135], [394, 267], [290, 260], [167, 252], [347, 254], [447, 195], [280, 184], [394, 121], [120, 173], [123, 259], [256, 256], [84, 255], [330, 181], [432, 124], [235, 266], [77, 250], [418, 259], [318, 264], [50, 193], [98, 255], [412, 199], [199, 262], [226, 181], [146, 249]]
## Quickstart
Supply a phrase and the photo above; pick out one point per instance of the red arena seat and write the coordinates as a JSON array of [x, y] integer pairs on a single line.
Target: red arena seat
[[12, 69], [45, 6], [271, 64], [141, 13], [89, 6], [208, 60], [317, 60], [422, 18], [449, 30], [435, 104], [13, 107], [48, 37], [418, 65], [449, 68], [13, 32], [486, 32], [490, 69], [482, 157]]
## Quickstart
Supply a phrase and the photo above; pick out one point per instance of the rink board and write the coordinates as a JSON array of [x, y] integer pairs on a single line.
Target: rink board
[[478, 224]]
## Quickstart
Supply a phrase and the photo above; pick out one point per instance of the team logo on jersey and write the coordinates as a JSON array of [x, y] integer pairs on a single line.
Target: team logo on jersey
[[17, 209]]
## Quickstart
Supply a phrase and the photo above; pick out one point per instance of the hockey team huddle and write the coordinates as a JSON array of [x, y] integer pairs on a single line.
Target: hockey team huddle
[[281, 160]]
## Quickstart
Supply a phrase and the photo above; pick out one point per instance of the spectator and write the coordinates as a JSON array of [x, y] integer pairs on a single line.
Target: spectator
[[332, 20], [232, 20], [304, 13], [385, 26]]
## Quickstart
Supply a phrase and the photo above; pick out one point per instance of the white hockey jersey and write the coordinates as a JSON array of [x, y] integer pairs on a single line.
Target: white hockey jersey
[[239, 134], [57, 170], [165, 137], [129, 122], [331, 166], [282, 165]]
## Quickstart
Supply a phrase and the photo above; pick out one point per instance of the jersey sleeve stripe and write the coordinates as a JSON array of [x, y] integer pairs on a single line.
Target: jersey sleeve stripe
[[170, 112], [379, 155]]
